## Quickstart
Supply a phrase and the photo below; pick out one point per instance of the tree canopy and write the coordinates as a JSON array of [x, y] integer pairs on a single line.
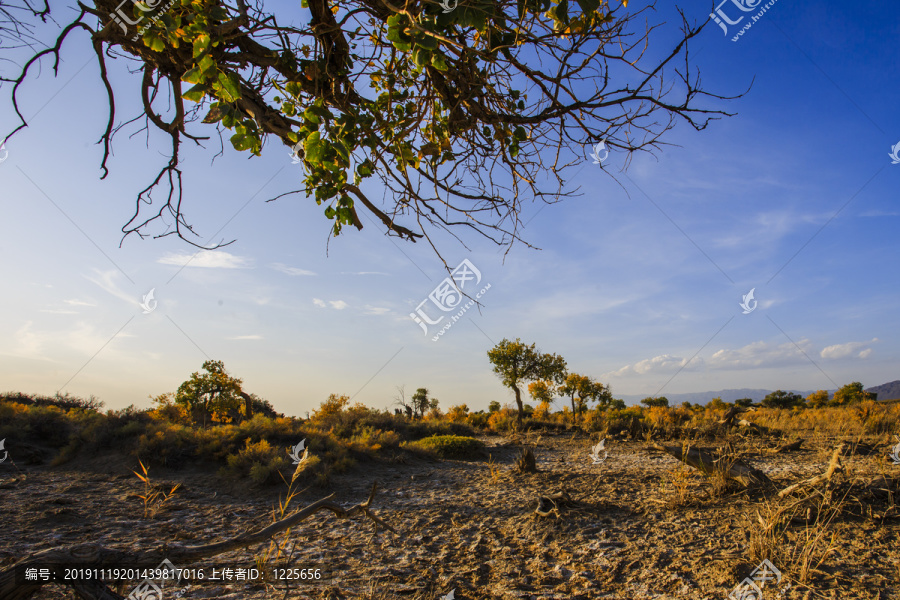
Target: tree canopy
[[585, 389], [658, 401], [212, 394], [782, 399], [461, 115], [517, 363], [851, 394]]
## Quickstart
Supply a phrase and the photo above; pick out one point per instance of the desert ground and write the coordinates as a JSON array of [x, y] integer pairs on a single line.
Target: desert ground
[[640, 524]]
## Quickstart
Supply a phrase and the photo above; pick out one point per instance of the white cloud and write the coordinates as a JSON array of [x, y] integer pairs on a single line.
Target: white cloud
[[376, 310], [858, 349], [880, 213], [364, 273], [335, 304], [664, 363], [84, 338], [293, 271], [761, 354], [59, 311], [246, 337], [210, 259], [107, 282], [79, 303]]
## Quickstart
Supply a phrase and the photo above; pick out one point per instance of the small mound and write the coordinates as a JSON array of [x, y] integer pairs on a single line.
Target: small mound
[[452, 446]]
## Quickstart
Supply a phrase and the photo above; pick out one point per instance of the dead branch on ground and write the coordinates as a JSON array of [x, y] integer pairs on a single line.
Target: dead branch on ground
[[99, 557], [710, 463]]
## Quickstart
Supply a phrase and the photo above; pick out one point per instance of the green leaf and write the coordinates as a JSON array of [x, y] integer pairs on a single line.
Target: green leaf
[[366, 168], [426, 41], [310, 115], [420, 57], [293, 88], [402, 46], [231, 85], [196, 93], [193, 76], [341, 149], [242, 142], [589, 6], [201, 43], [314, 148], [438, 62], [155, 43], [206, 64], [562, 11]]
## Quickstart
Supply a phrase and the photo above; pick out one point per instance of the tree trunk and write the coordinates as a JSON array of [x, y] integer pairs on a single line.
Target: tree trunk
[[519, 402], [574, 414], [708, 463], [248, 405]]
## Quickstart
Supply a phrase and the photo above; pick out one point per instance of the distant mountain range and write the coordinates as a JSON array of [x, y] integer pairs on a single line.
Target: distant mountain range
[[885, 391]]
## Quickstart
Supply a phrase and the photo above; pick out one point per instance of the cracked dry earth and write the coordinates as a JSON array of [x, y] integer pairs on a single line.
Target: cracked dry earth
[[470, 528]]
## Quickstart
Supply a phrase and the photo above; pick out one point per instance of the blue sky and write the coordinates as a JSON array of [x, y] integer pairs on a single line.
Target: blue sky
[[795, 196]]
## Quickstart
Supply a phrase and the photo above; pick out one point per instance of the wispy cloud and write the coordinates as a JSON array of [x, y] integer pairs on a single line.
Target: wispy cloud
[[857, 349], [75, 302], [246, 337], [376, 310], [83, 338], [292, 271], [761, 354], [664, 363], [107, 282], [880, 213], [364, 273], [208, 259], [335, 304], [752, 356]]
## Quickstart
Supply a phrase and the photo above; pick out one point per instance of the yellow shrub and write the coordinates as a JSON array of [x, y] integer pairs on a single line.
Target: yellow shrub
[[503, 419], [542, 412], [458, 412]]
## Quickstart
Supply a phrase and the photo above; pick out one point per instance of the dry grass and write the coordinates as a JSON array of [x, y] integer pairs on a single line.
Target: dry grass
[[154, 497]]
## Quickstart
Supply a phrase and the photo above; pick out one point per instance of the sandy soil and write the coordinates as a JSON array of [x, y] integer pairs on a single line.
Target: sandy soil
[[468, 526]]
